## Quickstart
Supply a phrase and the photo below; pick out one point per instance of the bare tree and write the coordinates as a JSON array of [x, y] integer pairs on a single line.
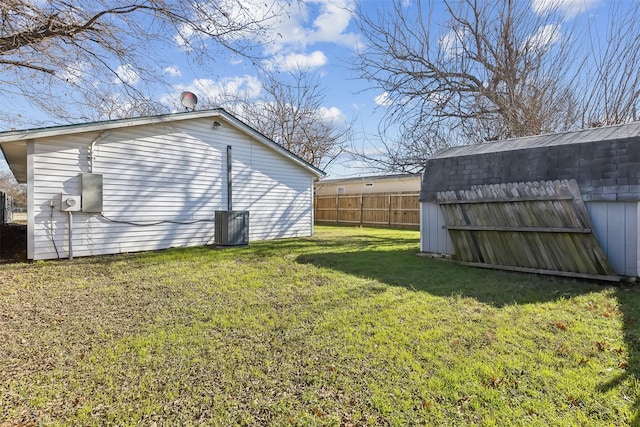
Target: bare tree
[[611, 86], [85, 52], [289, 109], [10, 186], [291, 112], [494, 70], [406, 153]]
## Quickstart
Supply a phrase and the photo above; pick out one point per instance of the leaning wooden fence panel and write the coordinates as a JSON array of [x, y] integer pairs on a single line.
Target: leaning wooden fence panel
[[374, 209], [539, 227]]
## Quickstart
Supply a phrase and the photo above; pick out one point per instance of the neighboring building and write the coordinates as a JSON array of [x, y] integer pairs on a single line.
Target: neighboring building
[[605, 163], [155, 182], [399, 183]]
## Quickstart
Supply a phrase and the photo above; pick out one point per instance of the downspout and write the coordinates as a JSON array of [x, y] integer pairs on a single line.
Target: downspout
[[70, 235], [229, 180], [92, 147], [91, 156]]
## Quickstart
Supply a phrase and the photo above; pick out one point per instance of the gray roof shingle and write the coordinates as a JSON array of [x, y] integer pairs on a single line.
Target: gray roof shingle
[[604, 161]]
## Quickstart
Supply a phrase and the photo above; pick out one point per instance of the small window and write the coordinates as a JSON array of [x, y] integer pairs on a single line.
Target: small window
[[368, 184], [340, 190]]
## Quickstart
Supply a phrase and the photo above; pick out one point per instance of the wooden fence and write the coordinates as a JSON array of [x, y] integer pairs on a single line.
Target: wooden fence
[[397, 210], [541, 227]]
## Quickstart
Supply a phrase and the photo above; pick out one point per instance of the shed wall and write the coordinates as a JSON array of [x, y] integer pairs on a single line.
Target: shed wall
[[174, 172], [433, 237], [616, 227]]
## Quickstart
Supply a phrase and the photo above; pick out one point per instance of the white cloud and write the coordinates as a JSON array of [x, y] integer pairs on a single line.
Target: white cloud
[[217, 92], [299, 25], [332, 23], [452, 42], [214, 20], [332, 115], [183, 38], [246, 86], [127, 75], [119, 106], [73, 73], [545, 36], [568, 8], [299, 61], [316, 21], [173, 71], [383, 100]]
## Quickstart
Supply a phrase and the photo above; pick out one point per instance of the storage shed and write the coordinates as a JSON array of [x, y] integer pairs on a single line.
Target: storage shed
[[520, 182], [156, 182]]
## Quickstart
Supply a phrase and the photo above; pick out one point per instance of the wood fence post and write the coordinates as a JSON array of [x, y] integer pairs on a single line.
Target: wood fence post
[[389, 209], [337, 207], [361, 209]]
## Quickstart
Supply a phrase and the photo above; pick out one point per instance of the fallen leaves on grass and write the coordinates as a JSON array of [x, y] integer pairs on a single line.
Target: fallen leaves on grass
[[493, 382], [573, 402], [561, 326], [16, 423]]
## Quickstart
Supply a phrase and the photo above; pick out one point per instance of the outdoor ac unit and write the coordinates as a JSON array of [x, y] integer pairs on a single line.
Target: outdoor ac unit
[[232, 228]]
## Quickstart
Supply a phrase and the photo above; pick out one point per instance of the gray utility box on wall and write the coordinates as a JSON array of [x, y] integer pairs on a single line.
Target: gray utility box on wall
[[232, 228], [91, 192]]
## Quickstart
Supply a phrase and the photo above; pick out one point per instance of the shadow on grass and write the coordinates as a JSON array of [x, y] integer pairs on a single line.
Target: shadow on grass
[[629, 305], [352, 242], [497, 288], [442, 278]]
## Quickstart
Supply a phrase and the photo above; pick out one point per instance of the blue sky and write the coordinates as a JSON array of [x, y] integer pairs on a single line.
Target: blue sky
[[318, 35]]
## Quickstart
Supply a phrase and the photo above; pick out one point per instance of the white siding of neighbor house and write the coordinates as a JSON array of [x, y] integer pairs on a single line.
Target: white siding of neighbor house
[[369, 185], [152, 173], [615, 225]]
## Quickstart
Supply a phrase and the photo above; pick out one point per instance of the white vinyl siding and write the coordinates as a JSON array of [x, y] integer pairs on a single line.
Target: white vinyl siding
[[405, 184], [615, 225], [164, 172], [277, 193], [433, 237]]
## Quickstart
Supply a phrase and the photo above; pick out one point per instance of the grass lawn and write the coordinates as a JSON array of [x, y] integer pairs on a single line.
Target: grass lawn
[[347, 328]]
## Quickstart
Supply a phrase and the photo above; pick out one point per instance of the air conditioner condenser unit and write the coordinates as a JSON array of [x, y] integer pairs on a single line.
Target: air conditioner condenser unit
[[232, 228]]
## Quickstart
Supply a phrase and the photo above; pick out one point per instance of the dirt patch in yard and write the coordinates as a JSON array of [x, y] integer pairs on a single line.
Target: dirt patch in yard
[[13, 243]]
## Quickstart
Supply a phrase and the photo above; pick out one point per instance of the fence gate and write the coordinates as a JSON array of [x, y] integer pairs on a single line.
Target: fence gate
[[5, 208], [540, 227]]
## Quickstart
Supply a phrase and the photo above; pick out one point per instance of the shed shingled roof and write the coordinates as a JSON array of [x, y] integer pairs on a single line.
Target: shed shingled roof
[[604, 161]]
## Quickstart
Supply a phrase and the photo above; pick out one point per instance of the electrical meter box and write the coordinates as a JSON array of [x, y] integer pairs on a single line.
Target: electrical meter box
[[92, 192], [69, 203]]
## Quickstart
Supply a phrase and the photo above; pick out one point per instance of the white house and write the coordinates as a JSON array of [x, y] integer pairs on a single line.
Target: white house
[[155, 182], [397, 183]]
